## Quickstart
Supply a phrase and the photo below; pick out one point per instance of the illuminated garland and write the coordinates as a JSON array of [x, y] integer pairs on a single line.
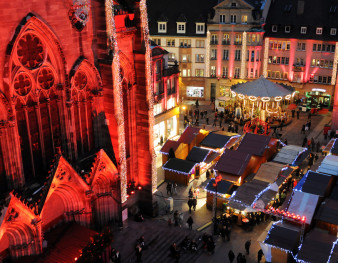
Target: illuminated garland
[[259, 195], [331, 252], [179, 172], [243, 61], [334, 69], [265, 58], [118, 97], [299, 154], [150, 98]]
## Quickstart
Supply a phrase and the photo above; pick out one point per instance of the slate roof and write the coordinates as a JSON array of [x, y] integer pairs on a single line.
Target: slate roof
[[314, 183], [328, 212], [316, 247], [233, 162], [214, 140], [197, 154], [329, 165], [283, 236], [169, 144], [223, 187], [268, 172], [179, 165], [334, 149], [248, 192], [190, 10], [315, 14], [303, 204], [212, 156], [288, 154], [262, 87], [334, 192], [254, 144], [189, 135]]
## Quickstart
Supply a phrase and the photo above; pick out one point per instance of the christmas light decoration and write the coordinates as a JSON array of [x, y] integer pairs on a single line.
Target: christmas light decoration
[[279, 98], [332, 249], [233, 94], [252, 98], [288, 97], [243, 60], [265, 99], [150, 98], [334, 69], [118, 96], [265, 58], [179, 172], [207, 56], [241, 96], [259, 195]]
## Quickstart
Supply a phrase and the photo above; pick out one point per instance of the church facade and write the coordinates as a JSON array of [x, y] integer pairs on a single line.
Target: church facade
[[75, 79]]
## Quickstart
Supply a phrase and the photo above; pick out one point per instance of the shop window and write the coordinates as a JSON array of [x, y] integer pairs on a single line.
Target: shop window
[[195, 92]]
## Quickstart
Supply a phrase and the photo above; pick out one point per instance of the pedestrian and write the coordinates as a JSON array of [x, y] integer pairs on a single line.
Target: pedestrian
[[174, 252], [197, 104], [304, 141], [190, 204], [138, 253], [236, 128], [194, 203], [309, 116], [303, 129], [207, 174], [260, 255], [176, 218], [169, 188], [231, 256], [190, 221], [117, 257], [227, 233], [174, 188], [311, 160], [286, 142], [207, 120], [247, 246], [214, 124], [293, 113], [220, 122], [298, 114], [239, 258], [113, 255], [318, 147]]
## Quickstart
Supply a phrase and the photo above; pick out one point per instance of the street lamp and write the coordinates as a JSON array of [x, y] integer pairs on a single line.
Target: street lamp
[[218, 178]]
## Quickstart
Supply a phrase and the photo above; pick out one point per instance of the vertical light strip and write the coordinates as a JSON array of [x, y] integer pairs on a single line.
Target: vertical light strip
[[150, 98], [243, 69], [207, 56], [118, 97], [265, 58], [334, 69]]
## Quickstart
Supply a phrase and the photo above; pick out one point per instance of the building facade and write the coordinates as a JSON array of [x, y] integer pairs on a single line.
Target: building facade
[[300, 49], [166, 96], [234, 46]]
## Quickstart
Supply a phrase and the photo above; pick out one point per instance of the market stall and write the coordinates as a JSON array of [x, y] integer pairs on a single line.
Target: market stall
[[198, 155], [223, 102], [192, 136], [327, 216], [224, 191], [329, 165], [292, 155], [263, 98], [179, 171], [174, 145]]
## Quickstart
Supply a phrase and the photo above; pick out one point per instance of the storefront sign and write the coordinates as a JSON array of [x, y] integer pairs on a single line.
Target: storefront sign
[[320, 90]]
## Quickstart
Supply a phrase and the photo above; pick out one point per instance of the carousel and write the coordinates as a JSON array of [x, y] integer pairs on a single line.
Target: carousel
[[262, 99]]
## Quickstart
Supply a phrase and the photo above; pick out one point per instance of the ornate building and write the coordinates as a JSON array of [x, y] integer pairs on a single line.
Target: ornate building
[[75, 78]]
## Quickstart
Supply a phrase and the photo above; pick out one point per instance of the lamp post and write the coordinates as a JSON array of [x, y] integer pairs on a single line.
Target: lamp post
[[218, 178]]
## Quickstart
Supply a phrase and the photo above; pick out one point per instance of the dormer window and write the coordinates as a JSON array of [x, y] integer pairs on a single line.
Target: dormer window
[[233, 4], [287, 29], [303, 30], [222, 19], [274, 28], [162, 27], [319, 31], [200, 28], [333, 31], [181, 27]]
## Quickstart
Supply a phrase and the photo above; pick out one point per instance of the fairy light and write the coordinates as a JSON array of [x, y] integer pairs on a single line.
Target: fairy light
[[252, 98], [332, 249], [334, 69], [265, 58], [241, 96], [279, 98], [118, 97], [265, 99], [207, 56], [150, 98], [243, 61], [233, 94], [288, 97]]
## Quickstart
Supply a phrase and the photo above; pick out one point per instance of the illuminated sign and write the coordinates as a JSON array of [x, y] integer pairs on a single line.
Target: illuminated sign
[[320, 90]]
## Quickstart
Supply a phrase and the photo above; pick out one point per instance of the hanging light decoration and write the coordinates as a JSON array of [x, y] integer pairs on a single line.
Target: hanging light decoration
[[279, 98], [252, 98], [265, 99], [150, 99]]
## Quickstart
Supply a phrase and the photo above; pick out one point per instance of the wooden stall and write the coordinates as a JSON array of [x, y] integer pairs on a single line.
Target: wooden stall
[[327, 216], [179, 171], [192, 136], [224, 191]]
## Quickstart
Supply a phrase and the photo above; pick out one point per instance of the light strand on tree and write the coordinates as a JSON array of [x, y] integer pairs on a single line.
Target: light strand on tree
[[150, 98], [118, 97]]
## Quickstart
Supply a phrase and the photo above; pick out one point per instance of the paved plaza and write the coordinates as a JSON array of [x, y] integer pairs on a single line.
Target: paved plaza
[[160, 236]]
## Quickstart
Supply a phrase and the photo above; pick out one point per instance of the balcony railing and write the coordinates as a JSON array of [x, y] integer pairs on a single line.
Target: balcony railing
[[213, 58], [226, 42], [238, 42], [214, 42]]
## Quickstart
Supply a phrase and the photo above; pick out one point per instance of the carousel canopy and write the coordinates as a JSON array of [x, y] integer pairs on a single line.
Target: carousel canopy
[[262, 88]]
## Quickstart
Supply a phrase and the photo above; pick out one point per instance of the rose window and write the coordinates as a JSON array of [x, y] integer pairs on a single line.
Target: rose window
[[46, 78], [80, 80], [22, 84], [30, 51]]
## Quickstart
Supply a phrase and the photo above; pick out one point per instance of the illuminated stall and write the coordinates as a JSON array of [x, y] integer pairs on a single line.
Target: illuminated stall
[[179, 171], [262, 99], [224, 191], [292, 155], [198, 155]]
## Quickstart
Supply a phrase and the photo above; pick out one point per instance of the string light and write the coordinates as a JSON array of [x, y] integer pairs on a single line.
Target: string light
[[265, 99], [332, 249], [334, 69], [265, 58], [233, 94], [118, 97], [279, 98], [150, 98], [243, 61], [288, 97], [252, 98], [241, 96], [179, 172]]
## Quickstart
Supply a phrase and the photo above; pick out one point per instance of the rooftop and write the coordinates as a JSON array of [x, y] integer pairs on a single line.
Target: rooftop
[[233, 162]]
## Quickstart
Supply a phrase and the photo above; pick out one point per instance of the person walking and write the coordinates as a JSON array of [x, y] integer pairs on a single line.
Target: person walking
[[286, 142], [260, 255], [190, 204], [169, 188], [138, 253], [174, 188], [214, 124], [197, 104], [207, 120], [303, 129], [190, 221], [239, 258], [298, 114], [194, 203], [231, 256], [293, 113], [318, 147], [304, 141], [309, 116], [247, 246]]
